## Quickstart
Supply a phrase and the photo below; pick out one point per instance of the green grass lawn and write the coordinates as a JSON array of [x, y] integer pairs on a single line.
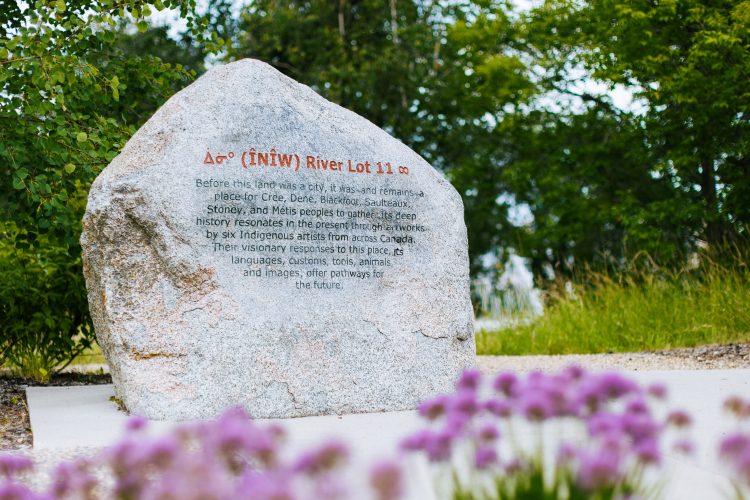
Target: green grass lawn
[[647, 312]]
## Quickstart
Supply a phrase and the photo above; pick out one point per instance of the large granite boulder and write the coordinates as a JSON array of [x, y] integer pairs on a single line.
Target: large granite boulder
[[257, 245]]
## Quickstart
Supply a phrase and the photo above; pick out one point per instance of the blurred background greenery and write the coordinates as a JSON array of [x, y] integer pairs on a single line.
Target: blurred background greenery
[[603, 142]]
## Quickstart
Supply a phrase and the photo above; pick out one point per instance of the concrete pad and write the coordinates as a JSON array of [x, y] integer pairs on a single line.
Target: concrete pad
[[76, 416], [83, 416]]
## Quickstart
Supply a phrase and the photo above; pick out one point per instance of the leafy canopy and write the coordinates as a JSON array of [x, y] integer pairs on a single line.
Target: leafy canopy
[[71, 99]]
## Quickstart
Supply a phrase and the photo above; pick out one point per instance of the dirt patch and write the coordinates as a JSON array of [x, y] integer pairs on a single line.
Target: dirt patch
[[15, 429], [728, 352]]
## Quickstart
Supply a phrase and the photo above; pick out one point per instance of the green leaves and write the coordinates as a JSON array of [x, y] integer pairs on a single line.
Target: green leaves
[[113, 84], [602, 183], [62, 119]]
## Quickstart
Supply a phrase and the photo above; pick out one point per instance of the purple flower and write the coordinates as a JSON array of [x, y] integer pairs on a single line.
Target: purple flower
[[637, 406], [135, 423], [456, 423], [469, 380], [658, 391], [264, 446], [440, 446], [679, 419], [566, 453], [73, 479], [498, 408], [161, 453], [233, 457], [640, 427], [484, 457], [386, 481], [734, 445], [276, 431], [555, 391], [263, 486], [329, 487], [506, 383], [614, 385], [648, 452], [324, 459], [10, 464], [434, 408], [231, 433], [605, 424], [488, 433], [464, 403], [684, 446], [596, 390], [737, 406], [598, 470], [417, 441], [535, 407], [735, 449], [574, 372], [624, 436], [10, 490]]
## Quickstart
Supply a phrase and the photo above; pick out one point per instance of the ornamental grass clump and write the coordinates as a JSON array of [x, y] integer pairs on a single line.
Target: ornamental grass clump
[[228, 458], [734, 449], [606, 436]]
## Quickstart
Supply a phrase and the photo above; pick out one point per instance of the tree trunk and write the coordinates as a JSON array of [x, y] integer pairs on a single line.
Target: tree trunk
[[394, 22], [342, 27], [344, 44], [714, 227]]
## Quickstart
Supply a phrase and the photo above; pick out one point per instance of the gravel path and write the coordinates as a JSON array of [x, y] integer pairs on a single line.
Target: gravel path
[[715, 357]]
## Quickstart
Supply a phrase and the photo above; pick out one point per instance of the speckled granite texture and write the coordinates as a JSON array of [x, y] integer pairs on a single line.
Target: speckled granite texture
[[220, 277]]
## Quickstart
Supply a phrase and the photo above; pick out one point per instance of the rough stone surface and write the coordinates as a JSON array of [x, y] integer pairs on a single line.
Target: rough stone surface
[[193, 318]]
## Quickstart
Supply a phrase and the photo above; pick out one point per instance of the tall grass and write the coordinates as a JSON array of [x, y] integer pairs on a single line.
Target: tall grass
[[646, 308]]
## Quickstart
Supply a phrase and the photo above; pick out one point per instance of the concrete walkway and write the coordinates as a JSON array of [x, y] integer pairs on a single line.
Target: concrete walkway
[[83, 416]]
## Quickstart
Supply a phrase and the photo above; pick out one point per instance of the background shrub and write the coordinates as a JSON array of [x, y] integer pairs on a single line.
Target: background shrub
[[72, 95]]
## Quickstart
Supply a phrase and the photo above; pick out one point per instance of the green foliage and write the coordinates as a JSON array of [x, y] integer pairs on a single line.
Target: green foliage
[[43, 301], [643, 309], [71, 99], [586, 180], [615, 183]]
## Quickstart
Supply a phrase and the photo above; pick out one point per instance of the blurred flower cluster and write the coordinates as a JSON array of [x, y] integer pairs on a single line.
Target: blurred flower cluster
[[734, 449], [231, 457], [486, 440], [605, 436]]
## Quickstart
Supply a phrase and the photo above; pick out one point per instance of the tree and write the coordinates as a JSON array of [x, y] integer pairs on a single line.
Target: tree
[[68, 107], [688, 61], [604, 185]]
